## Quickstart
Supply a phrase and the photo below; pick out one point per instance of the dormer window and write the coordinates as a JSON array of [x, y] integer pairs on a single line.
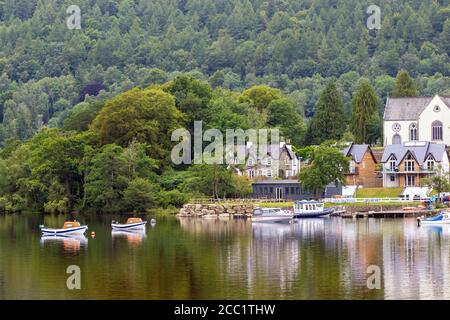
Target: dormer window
[[410, 163], [250, 162], [269, 161], [430, 163], [392, 165]]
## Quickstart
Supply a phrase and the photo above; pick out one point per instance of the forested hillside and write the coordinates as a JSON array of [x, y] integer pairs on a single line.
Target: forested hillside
[[294, 45]]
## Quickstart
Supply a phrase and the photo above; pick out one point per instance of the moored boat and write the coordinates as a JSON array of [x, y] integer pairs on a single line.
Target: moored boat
[[271, 215], [311, 209], [442, 218], [132, 224], [69, 228]]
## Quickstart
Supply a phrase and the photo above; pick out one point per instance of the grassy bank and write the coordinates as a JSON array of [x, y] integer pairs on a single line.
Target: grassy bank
[[378, 192]]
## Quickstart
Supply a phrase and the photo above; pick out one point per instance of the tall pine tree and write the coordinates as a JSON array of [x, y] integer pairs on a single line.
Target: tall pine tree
[[328, 122], [364, 105], [404, 86]]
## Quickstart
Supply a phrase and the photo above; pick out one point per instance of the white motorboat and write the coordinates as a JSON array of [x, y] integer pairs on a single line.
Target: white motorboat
[[442, 218], [271, 215], [311, 209], [132, 224], [69, 228]]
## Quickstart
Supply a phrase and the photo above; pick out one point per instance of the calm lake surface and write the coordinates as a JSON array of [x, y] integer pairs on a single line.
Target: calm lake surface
[[226, 259]]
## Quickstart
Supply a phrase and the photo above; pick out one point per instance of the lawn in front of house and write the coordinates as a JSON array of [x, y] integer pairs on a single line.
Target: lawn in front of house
[[378, 192]]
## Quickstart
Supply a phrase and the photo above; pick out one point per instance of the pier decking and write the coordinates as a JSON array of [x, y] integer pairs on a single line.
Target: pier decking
[[389, 214]]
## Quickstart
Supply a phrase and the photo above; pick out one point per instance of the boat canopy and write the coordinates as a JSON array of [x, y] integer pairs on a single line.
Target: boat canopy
[[71, 224], [134, 220], [309, 206]]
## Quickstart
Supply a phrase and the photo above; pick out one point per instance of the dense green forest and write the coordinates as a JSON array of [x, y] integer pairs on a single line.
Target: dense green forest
[[294, 45], [86, 114]]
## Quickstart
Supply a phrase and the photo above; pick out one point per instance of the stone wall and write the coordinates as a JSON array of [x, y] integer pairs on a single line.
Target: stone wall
[[211, 210]]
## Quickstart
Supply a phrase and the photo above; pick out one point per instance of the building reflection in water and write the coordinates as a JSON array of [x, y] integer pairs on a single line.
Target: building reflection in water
[[416, 261], [328, 258], [69, 243], [133, 237]]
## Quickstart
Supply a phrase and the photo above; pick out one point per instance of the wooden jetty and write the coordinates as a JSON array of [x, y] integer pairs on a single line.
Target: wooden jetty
[[390, 214]]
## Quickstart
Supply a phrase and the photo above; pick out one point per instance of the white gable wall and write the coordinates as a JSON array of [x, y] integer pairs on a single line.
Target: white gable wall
[[428, 116], [389, 132]]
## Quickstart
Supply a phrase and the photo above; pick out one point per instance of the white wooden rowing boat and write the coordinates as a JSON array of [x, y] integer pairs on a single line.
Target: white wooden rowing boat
[[132, 224], [69, 228]]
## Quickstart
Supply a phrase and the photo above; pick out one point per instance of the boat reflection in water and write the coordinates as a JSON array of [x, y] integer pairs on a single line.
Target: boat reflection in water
[[133, 237], [70, 243]]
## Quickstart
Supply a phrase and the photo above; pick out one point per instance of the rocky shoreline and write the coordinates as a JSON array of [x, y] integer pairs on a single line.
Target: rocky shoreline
[[216, 210]]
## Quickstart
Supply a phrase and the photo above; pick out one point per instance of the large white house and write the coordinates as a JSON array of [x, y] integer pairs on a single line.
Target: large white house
[[412, 119]]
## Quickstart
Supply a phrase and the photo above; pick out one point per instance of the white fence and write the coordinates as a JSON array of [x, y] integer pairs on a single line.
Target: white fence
[[366, 200]]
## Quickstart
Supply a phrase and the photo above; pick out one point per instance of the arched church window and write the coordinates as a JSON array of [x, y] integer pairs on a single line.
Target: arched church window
[[437, 131], [413, 132]]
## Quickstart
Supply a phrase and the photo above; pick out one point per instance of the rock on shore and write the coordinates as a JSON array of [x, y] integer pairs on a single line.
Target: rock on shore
[[219, 210]]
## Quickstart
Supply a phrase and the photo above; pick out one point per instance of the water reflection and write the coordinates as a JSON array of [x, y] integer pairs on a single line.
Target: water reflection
[[69, 243], [133, 237], [228, 259]]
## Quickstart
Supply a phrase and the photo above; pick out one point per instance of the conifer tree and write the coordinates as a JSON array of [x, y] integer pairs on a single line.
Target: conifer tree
[[404, 86], [328, 123], [364, 105]]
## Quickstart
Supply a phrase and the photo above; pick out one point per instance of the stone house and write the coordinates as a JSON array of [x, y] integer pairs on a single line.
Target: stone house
[[278, 162]]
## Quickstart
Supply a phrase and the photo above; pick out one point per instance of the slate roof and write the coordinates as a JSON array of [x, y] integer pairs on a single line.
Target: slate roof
[[273, 149], [420, 151], [356, 151], [408, 108]]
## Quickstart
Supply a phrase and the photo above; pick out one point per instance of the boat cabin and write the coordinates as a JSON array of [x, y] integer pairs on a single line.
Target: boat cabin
[[134, 220], [308, 206], [266, 211], [71, 224]]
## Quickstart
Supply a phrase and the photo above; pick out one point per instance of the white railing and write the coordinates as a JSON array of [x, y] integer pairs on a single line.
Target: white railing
[[365, 200]]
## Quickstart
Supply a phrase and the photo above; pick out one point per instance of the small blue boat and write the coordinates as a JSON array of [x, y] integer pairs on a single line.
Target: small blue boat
[[442, 218], [311, 209]]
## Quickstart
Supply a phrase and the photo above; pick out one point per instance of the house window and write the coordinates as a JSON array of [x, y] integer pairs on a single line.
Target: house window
[[409, 163], [392, 178], [251, 173], [392, 165], [410, 181], [269, 161], [396, 139], [250, 162], [436, 131], [269, 173], [430, 164], [287, 190], [352, 166], [413, 132]]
